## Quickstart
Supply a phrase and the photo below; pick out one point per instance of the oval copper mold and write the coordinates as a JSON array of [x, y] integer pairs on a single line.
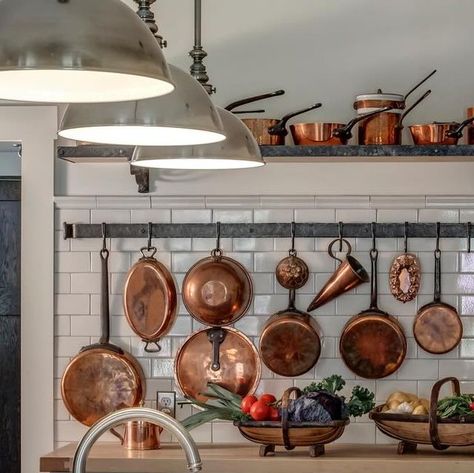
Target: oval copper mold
[[240, 366], [150, 299], [405, 277], [217, 291]]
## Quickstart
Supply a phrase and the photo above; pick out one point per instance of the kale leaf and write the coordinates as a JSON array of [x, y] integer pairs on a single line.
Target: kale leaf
[[361, 401], [332, 384]]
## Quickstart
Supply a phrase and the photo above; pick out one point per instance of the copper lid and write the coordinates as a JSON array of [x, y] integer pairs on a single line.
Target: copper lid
[[240, 367]]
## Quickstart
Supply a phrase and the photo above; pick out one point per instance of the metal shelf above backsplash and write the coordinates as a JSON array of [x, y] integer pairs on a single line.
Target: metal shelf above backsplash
[[266, 230]]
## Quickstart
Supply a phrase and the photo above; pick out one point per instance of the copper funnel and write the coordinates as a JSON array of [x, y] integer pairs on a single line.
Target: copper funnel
[[348, 275]]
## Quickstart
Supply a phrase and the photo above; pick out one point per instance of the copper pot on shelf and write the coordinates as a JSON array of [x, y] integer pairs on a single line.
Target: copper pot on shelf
[[139, 435], [267, 131], [439, 133]]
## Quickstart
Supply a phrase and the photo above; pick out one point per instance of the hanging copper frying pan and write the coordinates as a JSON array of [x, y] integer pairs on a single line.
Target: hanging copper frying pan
[[290, 343], [150, 298], [102, 378], [373, 344], [217, 290], [219, 355], [437, 328]]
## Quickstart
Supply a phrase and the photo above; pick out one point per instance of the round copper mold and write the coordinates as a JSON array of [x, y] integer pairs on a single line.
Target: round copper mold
[[150, 299], [290, 343], [240, 366], [217, 291], [292, 272], [99, 381], [373, 344], [438, 328], [405, 277]]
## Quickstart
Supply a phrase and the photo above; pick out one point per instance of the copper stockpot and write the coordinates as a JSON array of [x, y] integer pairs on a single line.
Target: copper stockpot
[[325, 134], [139, 435], [267, 131], [439, 133], [373, 344], [219, 355]]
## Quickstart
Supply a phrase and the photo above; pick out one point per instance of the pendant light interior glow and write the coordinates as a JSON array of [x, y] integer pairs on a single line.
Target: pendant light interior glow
[[184, 117], [240, 150], [70, 51]]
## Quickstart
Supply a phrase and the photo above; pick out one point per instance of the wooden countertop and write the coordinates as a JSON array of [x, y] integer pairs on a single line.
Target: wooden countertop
[[110, 457]]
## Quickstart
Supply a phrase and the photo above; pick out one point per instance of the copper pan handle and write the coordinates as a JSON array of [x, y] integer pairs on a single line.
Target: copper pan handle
[[280, 128], [457, 132], [419, 84], [255, 98], [409, 109], [345, 133], [104, 298], [216, 337], [149, 343], [434, 434]]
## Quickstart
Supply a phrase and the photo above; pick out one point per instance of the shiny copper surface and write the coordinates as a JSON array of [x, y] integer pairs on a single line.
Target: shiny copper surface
[[438, 328], [290, 343], [217, 291], [349, 274], [150, 299], [380, 130], [405, 277], [315, 134], [373, 344], [259, 128], [99, 381], [141, 435], [239, 372], [433, 134], [292, 272]]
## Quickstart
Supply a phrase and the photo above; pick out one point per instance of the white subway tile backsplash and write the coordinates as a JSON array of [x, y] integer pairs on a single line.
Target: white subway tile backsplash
[[60, 244], [77, 287], [452, 201], [62, 216], [75, 202]]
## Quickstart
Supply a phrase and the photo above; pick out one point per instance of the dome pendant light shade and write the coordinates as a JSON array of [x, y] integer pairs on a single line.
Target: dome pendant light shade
[[239, 150], [71, 51], [184, 117]]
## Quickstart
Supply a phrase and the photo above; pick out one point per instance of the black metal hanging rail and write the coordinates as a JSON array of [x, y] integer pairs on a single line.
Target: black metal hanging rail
[[266, 230]]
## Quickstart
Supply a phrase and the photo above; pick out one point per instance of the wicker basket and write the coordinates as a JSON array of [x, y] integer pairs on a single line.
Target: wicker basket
[[428, 430], [291, 434]]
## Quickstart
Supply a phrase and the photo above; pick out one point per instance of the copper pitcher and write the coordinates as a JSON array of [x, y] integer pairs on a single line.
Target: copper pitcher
[[139, 435]]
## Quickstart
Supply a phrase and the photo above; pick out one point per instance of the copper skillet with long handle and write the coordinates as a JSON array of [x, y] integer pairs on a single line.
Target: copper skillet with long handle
[[373, 344], [150, 298], [102, 378], [437, 328], [290, 343]]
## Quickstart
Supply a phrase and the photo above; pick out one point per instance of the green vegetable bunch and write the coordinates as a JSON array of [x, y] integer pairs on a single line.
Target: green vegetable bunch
[[223, 404], [361, 401], [456, 406]]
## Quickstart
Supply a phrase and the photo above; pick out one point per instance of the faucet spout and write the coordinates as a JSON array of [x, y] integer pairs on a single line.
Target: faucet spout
[[136, 413]]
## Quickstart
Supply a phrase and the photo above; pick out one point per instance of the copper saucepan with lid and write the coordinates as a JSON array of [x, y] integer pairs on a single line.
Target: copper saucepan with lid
[[217, 290], [325, 134], [267, 131]]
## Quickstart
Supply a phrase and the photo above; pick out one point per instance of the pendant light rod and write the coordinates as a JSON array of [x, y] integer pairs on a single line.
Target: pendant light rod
[[198, 68], [146, 14]]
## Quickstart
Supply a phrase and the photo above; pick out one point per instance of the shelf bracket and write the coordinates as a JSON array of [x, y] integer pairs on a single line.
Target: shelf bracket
[[142, 177]]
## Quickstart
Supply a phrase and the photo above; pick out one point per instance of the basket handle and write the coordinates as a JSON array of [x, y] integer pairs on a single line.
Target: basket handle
[[287, 395], [434, 434]]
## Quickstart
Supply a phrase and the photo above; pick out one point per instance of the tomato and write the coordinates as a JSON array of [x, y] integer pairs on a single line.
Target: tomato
[[267, 398], [247, 403], [260, 411], [274, 414], [471, 406]]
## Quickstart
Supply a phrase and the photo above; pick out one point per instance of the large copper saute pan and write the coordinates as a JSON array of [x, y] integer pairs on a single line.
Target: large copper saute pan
[[102, 377], [217, 290], [219, 355], [150, 299], [373, 344]]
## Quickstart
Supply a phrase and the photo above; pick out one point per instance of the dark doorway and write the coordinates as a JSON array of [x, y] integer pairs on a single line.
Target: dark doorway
[[10, 245]]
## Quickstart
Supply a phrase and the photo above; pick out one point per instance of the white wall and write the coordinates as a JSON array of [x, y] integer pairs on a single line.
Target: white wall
[[318, 50]]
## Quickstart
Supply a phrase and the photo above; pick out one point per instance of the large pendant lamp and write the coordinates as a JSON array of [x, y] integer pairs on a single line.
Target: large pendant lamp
[[72, 51], [239, 150], [187, 116]]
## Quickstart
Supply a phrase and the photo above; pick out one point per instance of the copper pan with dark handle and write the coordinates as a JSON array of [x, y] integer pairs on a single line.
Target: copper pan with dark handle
[[439, 133], [437, 328], [102, 378], [150, 298], [373, 344], [325, 134], [217, 290]]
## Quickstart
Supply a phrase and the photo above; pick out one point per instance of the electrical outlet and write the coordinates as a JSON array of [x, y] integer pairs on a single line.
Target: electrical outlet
[[166, 402]]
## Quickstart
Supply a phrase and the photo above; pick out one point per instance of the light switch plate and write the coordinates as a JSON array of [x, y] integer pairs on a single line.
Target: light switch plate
[[166, 402]]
